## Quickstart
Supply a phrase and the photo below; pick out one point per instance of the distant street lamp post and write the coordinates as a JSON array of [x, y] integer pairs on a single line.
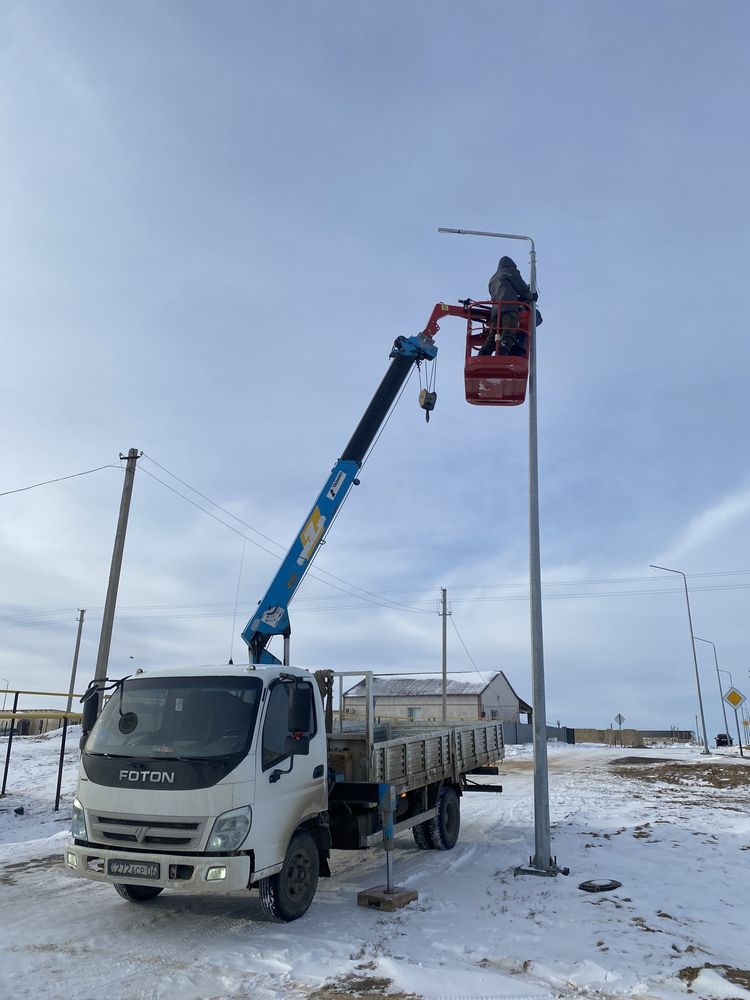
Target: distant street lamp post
[[542, 863], [718, 677], [744, 703], [6, 690], [695, 658]]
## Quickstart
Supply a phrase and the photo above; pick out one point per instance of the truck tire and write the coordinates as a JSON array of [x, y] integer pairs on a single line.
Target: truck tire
[[422, 836], [287, 895], [445, 827], [137, 893]]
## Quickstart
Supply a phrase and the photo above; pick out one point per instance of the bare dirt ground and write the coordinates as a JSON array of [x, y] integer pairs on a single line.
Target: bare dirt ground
[[711, 774]]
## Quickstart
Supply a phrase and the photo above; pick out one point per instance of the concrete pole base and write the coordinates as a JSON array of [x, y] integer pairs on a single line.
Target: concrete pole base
[[549, 872]]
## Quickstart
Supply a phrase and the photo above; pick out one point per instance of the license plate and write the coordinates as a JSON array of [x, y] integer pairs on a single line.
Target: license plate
[[133, 869]]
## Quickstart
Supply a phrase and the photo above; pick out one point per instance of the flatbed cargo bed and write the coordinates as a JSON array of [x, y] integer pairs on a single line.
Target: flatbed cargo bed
[[412, 756]]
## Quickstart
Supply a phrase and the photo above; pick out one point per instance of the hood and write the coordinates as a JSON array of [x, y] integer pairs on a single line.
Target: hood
[[505, 263]]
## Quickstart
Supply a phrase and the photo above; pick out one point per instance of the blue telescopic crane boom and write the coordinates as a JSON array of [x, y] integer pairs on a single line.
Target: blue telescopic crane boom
[[272, 614]]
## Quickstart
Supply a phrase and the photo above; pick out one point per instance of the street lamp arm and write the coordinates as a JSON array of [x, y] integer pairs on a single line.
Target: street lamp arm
[[705, 640], [668, 570], [476, 232]]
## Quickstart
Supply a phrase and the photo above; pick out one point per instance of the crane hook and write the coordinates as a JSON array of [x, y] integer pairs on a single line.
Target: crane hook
[[427, 401]]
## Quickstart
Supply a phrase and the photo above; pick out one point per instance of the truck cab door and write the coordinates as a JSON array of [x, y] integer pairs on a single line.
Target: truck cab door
[[291, 781]]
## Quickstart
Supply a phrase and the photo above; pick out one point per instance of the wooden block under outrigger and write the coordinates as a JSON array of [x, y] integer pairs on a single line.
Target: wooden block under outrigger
[[381, 898]]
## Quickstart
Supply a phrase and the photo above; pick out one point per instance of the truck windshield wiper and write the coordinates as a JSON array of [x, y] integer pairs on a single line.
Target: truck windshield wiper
[[181, 758]]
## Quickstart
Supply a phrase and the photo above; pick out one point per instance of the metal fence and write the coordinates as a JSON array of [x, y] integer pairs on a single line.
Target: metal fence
[[18, 724], [523, 732]]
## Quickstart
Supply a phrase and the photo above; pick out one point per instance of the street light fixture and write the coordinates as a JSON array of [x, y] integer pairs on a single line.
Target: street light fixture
[[695, 658], [718, 677], [542, 863]]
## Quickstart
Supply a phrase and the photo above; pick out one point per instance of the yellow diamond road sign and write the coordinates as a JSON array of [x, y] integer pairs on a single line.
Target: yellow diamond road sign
[[734, 697]]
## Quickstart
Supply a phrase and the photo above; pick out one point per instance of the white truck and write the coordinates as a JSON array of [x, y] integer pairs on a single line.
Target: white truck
[[215, 781], [233, 777]]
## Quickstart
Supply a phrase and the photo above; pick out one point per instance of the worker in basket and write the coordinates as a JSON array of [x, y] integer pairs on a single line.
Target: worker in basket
[[508, 289]]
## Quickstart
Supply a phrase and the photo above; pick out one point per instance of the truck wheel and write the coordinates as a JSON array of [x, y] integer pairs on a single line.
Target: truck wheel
[[444, 828], [137, 893], [288, 894], [422, 837]]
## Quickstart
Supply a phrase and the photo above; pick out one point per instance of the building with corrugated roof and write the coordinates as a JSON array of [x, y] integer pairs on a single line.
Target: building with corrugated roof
[[421, 699]]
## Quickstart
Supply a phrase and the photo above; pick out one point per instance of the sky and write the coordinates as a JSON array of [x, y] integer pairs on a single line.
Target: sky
[[215, 221]]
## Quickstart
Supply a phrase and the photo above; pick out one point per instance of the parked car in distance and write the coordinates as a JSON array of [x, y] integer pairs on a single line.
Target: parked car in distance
[[724, 740]]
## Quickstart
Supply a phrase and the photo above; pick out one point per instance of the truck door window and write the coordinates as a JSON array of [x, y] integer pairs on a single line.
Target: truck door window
[[276, 725]]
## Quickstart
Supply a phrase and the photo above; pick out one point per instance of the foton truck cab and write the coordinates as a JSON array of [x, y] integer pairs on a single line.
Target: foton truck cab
[[200, 782]]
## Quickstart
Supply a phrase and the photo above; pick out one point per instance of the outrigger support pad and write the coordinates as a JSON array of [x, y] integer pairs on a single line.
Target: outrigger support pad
[[388, 897]]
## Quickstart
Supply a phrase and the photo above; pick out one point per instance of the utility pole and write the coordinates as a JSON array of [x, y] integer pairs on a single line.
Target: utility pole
[[66, 720], [444, 614], [105, 637], [81, 613]]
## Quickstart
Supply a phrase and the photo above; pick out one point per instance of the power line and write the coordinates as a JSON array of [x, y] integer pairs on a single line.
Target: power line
[[471, 659], [60, 479], [205, 610], [315, 574], [213, 503], [236, 605]]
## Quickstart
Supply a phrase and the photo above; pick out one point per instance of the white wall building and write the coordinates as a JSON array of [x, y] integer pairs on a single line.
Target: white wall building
[[421, 699]]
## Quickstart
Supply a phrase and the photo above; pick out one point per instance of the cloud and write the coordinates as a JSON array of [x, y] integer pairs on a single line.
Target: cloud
[[710, 525]]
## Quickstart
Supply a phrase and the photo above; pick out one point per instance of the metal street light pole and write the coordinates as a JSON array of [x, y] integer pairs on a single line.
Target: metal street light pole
[[731, 684], [542, 863], [718, 678], [6, 690], [695, 658], [723, 671]]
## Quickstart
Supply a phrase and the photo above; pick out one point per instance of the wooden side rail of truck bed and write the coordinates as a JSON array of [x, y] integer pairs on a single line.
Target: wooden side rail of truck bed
[[424, 757]]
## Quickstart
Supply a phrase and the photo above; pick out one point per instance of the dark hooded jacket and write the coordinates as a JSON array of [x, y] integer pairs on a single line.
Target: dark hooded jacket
[[507, 286]]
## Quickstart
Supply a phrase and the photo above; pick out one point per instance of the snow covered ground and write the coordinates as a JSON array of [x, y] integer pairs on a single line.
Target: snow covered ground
[[675, 834]]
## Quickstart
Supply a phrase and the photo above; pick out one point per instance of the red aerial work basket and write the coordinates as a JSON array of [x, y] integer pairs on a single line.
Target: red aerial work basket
[[497, 379]]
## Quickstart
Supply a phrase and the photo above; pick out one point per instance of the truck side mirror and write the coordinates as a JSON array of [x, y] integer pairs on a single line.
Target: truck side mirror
[[297, 745], [300, 709], [90, 711]]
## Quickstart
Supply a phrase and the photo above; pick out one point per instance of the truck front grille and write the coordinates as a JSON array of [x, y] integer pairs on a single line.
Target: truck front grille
[[144, 832]]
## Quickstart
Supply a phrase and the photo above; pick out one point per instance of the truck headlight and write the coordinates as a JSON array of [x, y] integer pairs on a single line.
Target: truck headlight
[[230, 829], [78, 822]]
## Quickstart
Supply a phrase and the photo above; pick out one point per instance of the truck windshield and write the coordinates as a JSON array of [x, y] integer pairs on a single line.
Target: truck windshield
[[194, 717]]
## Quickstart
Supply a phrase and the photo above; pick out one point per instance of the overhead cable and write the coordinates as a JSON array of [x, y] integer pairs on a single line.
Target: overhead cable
[[362, 595], [314, 574], [471, 658], [60, 479]]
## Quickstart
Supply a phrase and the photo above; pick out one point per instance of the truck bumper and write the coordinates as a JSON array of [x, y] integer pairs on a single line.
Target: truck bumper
[[182, 872]]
